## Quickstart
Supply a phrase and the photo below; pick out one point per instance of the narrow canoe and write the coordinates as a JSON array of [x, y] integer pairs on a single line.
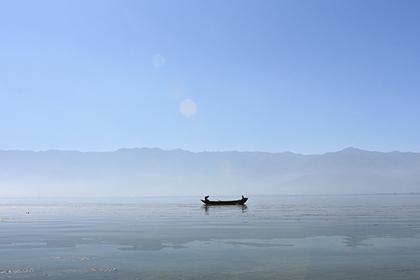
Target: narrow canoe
[[225, 202]]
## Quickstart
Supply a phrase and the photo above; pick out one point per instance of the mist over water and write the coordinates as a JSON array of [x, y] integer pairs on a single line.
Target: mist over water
[[286, 237]]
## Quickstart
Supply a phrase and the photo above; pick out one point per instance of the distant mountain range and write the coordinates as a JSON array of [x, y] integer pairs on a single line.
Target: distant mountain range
[[137, 172]]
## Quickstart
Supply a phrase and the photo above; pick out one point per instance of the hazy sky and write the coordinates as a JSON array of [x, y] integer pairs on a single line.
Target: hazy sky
[[306, 76]]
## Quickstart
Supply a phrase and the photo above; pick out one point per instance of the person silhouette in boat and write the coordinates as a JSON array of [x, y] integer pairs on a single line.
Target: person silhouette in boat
[[206, 198]]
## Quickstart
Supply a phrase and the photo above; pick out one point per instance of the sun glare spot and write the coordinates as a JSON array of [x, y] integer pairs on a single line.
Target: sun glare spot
[[188, 108], [158, 60]]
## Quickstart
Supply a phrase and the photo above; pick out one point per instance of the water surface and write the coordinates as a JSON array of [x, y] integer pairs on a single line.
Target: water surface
[[284, 237]]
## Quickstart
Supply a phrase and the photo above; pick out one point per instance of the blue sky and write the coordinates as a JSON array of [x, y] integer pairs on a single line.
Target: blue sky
[[304, 76]]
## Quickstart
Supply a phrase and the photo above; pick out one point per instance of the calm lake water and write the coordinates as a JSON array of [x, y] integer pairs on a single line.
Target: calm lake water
[[284, 237]]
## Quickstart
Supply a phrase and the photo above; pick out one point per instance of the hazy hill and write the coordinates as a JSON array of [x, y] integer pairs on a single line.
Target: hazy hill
[[145, 171]]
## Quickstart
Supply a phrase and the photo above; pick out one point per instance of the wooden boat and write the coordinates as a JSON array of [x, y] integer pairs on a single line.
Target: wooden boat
[[241, 201]]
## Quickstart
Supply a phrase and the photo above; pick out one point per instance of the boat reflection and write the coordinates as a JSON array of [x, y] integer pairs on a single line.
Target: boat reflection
[[207, 208]]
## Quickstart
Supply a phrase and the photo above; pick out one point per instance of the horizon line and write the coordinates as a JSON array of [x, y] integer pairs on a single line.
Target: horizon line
[[214, 195]]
